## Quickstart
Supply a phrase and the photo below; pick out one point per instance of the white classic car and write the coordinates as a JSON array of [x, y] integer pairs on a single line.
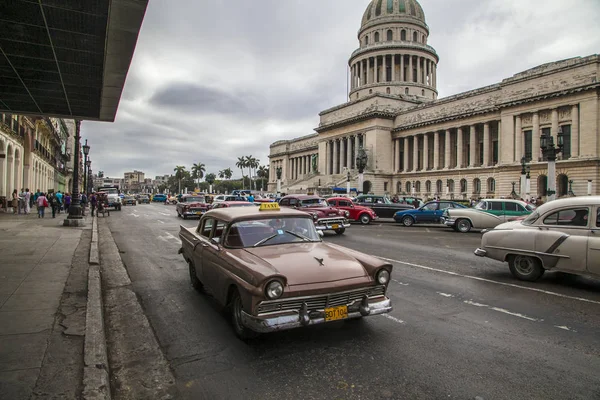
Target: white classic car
[[562, 235], [488, 213]]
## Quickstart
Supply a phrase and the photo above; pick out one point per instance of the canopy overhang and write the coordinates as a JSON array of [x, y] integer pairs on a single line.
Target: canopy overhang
[[66, 58]]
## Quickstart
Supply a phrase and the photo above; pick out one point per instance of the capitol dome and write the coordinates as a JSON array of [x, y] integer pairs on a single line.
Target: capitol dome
[[410, 10]]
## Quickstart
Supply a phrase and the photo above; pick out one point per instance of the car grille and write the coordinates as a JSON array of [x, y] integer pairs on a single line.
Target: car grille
[[315, 303], [337, 220]]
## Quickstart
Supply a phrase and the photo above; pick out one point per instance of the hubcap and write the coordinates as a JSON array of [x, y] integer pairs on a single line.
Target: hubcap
[[463, 225], [237, 311], [524, 265], [407, 222]]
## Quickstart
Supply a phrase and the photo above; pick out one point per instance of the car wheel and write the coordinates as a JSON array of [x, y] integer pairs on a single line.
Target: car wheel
[[463, 225], [408, 221], [365, 219], [340, 231], [525, 268], [236, 318], [196, 284]]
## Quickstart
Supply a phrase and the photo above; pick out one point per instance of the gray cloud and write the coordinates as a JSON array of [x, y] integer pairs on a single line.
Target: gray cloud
[[215, 80]]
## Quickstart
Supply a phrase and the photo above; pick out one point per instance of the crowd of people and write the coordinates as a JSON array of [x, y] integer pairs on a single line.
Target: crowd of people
[[23, 202]]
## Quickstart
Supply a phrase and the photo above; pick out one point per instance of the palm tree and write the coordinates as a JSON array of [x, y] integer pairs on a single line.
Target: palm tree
[[198, 172], [263, 173], [228, 173], [222, 174], [241, 164], [179, 175], [252, 163]]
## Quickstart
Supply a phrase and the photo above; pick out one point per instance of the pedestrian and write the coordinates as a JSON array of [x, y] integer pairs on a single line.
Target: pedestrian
[[93, 202], [251, 198], [59, 197], [15, 201], [83, 201], [42, 203], [53, 200], [539, 202], [67, 202], [27, 201], [22, 201]]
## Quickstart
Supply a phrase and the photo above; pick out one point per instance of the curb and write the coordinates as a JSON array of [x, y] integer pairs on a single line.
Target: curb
[[94, 253], [96, 383]]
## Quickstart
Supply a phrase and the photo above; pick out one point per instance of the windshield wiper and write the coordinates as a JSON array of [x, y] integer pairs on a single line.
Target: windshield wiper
[[299, 236], [264, 240]]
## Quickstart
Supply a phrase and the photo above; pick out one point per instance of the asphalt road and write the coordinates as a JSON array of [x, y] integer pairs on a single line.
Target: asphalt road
[[462, 327]]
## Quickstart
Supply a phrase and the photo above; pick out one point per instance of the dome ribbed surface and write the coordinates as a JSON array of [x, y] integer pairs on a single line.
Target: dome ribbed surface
[[403, 9]]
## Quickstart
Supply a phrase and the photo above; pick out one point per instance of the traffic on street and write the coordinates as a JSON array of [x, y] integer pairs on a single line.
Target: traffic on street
[[461, 326]]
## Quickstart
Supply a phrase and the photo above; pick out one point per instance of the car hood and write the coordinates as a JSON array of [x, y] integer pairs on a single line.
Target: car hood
[[508, 226], [304, 263], [320, 209]]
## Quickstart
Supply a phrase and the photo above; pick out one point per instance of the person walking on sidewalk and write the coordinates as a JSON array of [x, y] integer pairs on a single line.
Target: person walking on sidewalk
[[15, 201], [83, 201], [67, 202], [93, 202], [27, 201], [53, 200], [42, 203], [22, 201]]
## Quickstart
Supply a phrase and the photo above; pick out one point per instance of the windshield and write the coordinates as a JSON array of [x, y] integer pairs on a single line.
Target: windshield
[[531, 218], [482, 205], [271, 231], [314, 202], [110, 190], [193, 199]]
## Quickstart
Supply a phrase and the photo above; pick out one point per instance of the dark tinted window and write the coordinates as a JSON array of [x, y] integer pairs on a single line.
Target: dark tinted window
[[344, 203], [207, 227], [508, 206], [573, 217], [495, 205], [285, 202], [293, 202], [443, 206]]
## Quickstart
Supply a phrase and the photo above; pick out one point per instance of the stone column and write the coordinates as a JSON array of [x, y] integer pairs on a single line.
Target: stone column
[[486, 144], [348, 153], [402, 74], [425, 152], [410, 69], [393, 68], [574, 131], [418, 69], [555, 126], [396, 155], [336, 161], [406, 147], [436, 150], [384, 68], [518, 138], [447, 149], [473, 146], [368, 70], [415, 153], [375, 79], [459, 148], [535, 137]]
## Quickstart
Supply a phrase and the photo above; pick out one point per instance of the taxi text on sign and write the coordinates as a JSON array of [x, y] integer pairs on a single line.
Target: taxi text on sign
[[269, 206]]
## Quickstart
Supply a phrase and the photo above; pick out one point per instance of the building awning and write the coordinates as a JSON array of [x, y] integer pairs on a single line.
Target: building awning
[[66, 58], [342, 189]]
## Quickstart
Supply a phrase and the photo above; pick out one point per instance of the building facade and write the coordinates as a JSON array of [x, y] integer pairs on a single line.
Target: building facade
[[469, 145], [34, 154]]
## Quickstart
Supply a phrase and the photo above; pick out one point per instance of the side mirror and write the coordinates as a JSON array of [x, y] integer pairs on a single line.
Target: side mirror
[[320, 233]]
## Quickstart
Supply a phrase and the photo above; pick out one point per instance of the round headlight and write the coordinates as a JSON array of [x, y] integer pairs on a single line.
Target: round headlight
[[383, 276], [274, 290], [315, 217], [347, 213]]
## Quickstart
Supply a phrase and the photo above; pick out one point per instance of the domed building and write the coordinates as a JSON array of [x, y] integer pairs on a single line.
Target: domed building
[[469, 145]]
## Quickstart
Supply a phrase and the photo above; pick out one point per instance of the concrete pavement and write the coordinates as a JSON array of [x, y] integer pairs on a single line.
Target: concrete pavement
[[43, 289]]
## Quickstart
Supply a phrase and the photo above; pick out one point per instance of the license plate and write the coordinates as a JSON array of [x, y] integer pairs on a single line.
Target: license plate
[[335, 313], [335, 226], [198, 212]]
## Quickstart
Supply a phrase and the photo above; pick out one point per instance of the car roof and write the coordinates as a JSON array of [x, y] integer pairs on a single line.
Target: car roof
[[570, 201], [229, 214], [302, 196]]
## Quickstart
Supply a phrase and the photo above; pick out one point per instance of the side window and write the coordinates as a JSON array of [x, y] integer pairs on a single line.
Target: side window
[[343, 203], [444, 206], [285, 202], [218, 232], [520, 208], [573, 217], [598, 218], [431, 207], [368, 199], [495, 205], [293, 202], [509, 206], [206, 228]]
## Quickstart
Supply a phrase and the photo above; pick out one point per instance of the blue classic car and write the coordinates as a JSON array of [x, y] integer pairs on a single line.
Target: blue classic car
[[427, 214], [159, 198]]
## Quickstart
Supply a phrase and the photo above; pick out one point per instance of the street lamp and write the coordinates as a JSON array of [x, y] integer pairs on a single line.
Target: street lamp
[[86, 182], [75, 217], [528, 181], [570, 192], [89, 177], [86, 151], [524, 167], [549, 151]]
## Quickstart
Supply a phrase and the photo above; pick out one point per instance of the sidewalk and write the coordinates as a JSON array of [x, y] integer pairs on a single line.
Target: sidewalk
[[43, 288]]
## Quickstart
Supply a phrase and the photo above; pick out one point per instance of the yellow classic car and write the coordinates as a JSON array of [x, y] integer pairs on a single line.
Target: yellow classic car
[[270, 267], [562, 235]]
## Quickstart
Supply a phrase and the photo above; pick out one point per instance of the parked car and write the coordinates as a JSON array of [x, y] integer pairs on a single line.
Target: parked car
[[191, 205], [129, 200], [430, 213], [562, 235], [325, 216], [159, 198], [269, 266], [361, 214], [488, 213], [382, 205], [226, 204]]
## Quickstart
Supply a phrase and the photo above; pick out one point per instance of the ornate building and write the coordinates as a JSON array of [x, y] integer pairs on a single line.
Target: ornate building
[[463, 146]]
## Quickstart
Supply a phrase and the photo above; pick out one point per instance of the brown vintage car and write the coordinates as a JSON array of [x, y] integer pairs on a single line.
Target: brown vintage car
[[270, 267]]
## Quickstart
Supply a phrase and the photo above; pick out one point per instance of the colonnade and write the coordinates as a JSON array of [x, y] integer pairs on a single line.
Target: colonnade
[[300, 166], [393, 68], [341, 153], [43, 177], [11, 168]]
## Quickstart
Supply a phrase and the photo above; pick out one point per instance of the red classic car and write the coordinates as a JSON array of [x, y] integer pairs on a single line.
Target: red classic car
[[361, 214], [192, 205], [325, 216]]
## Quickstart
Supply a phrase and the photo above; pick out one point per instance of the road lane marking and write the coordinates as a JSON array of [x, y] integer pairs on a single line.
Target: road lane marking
[[135, 215], [445, 294], [490, 281], [502, 310], [162, 222], [162, 213], [392, 318], [475, 304], [170, 236], [565, 328], [400, 283]]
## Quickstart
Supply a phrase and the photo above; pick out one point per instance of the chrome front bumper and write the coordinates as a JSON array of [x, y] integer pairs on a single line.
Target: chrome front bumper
[[303, 317], [325, 225], [480, 252], [449, 221]]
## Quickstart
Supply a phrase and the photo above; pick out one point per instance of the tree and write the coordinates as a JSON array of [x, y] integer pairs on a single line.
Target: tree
[[241, 164], [263, 173], [222, 174], [252, 163], [179, 174], [228, 173], [198, 171], [210, 178]]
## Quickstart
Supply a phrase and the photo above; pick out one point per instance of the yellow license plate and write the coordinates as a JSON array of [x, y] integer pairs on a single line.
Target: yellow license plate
[[335, 226], [335, 313], [198, 212]]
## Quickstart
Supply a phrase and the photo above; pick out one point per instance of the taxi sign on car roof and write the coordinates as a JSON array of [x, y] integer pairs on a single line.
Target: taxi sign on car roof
[[269, 207]]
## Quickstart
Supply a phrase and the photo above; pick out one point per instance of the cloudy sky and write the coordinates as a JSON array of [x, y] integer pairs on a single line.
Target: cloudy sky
[[213, 80]]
